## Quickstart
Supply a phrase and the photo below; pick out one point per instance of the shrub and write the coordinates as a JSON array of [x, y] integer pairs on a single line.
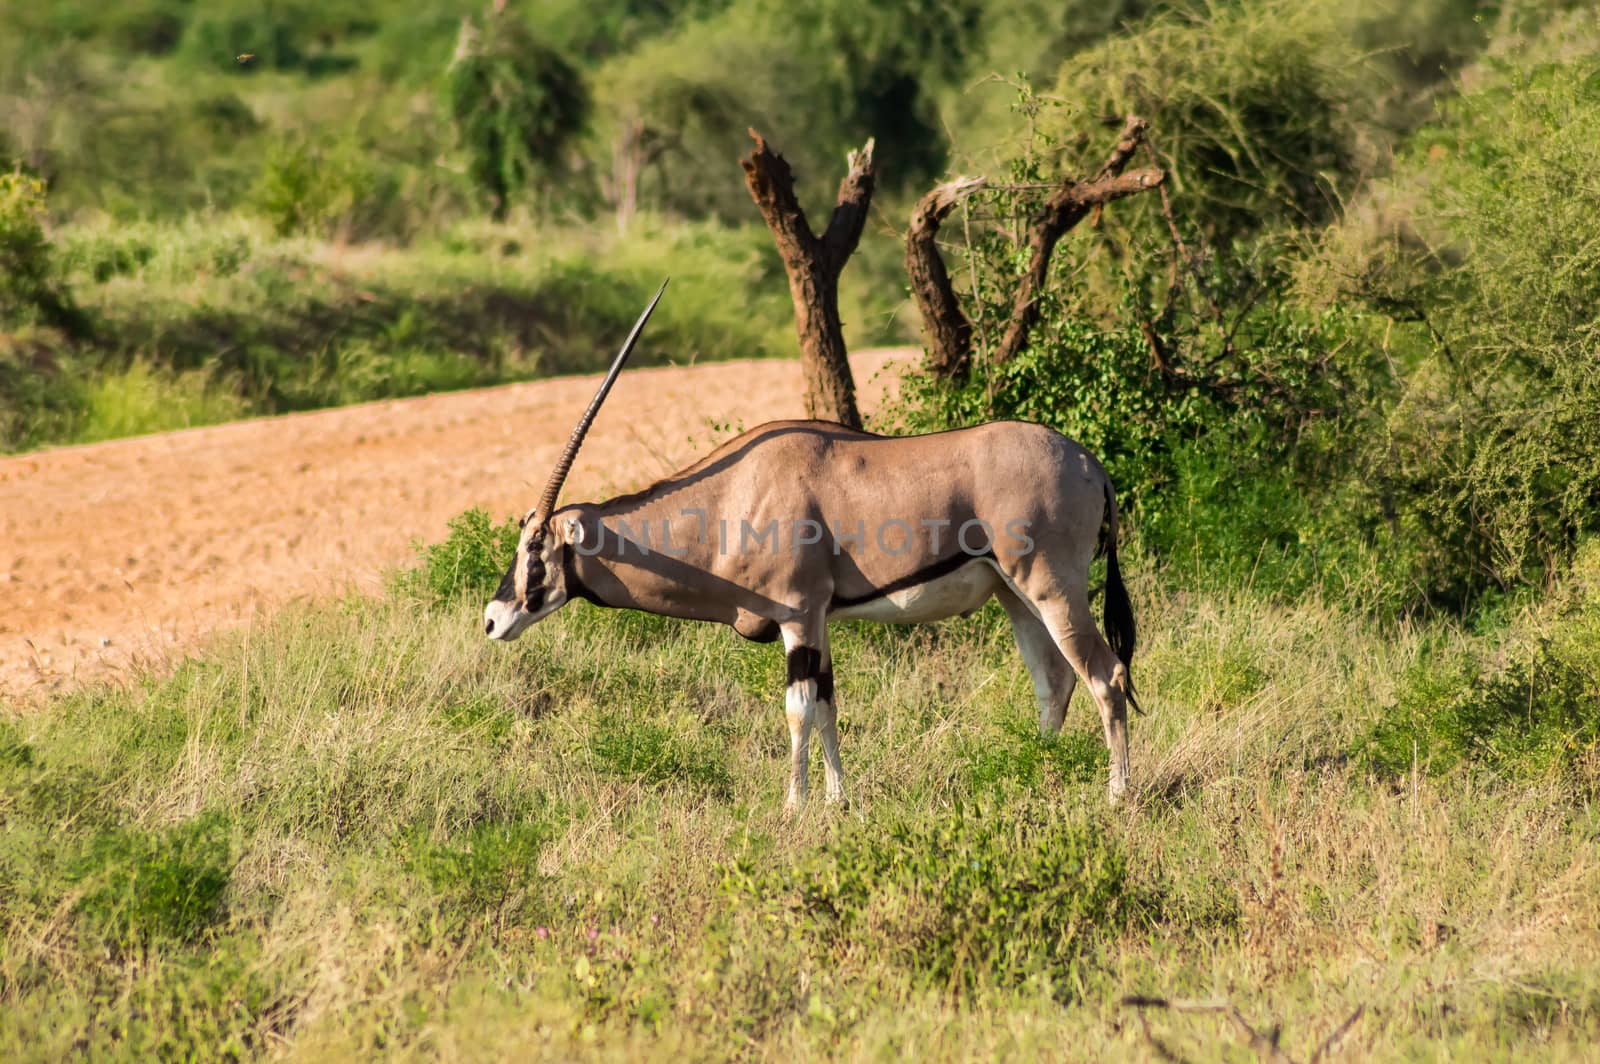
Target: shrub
[[142, 887], [30, 283], [1536, 718], [324, 192], [1479, 257], [969, 899], [1530, 710], [468, 563], [1021, 757], [635, 747], [1258, 110], [516, 103], [487, 869]]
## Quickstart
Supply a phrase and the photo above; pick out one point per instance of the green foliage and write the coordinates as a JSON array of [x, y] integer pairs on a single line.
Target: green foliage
[[1530, 712], [491, 867], [516, 103], [217, 319], [1485, 277], [303, 189], [1257, 110], [1022, 759], [971, 899], [286, 35], [817, 77], [635, 747], [467, 563], [138, 887], [1230, 438], [30, 283]]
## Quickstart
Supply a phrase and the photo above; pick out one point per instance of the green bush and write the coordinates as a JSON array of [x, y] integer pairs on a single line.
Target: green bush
[[1537, 717], [969, 899], [1525, 706], [1258, 111], [1475, 261], [30, 282], [323, 192], [516, 103], [490, 868], [467, 563], [1020, 758], [633, 746], [139, 888]]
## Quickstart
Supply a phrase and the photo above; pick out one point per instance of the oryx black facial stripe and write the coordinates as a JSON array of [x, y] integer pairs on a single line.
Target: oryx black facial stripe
[[535, 574], [805, 663]]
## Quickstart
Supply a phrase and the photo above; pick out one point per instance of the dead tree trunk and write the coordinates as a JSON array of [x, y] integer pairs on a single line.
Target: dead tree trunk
[[949, 331], [813, 264]]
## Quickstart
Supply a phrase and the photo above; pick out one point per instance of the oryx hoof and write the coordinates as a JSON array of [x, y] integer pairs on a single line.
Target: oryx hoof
[[1117, 791]]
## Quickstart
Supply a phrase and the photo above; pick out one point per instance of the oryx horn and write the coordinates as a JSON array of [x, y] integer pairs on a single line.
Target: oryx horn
[[547, 502]]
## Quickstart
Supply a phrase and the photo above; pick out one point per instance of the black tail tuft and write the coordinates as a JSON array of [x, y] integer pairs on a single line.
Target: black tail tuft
[[1120, 630]]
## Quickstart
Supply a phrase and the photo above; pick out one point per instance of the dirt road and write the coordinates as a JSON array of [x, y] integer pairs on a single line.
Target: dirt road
[[122, 552]]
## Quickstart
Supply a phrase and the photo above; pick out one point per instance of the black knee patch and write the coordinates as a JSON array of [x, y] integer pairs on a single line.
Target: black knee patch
[[805, 663]]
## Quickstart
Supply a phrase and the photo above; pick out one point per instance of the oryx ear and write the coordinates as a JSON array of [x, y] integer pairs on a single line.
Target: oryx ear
[[574, 530]]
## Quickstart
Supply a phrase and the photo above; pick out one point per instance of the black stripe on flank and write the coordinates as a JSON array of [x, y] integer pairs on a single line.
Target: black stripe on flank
[[926, 575]]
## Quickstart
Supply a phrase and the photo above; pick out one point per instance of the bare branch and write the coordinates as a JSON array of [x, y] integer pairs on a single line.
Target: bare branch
[[771, 184], [850, 209], [1265, 1045], [1064, 209], [949, 331], [1133, 130], [1339, 1032]]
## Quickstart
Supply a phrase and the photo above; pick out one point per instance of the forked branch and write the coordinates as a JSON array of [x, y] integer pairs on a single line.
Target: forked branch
[[1064, 209], [813, 264], [1264, 1044], [948, 328]]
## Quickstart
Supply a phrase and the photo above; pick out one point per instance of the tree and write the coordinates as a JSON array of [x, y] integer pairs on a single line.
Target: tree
[[813, 264], [516, 104], [949, 331]]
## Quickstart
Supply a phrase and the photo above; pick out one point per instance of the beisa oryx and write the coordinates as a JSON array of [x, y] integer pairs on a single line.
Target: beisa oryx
[[797, 523]]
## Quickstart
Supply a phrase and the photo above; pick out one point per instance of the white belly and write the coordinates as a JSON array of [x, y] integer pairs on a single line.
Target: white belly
[[958, 592]]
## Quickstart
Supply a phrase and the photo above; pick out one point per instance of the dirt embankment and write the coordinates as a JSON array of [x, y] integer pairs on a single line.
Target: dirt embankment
[[120, 553]]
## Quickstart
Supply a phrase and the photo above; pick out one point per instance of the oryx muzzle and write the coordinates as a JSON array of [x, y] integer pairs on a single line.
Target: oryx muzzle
[[795, 523]]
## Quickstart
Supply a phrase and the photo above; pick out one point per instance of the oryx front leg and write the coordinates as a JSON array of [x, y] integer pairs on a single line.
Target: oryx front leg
[[808, 702], [828, 729]]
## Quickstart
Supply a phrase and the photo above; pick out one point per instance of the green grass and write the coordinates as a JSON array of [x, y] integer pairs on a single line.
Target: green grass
[[364, 829]]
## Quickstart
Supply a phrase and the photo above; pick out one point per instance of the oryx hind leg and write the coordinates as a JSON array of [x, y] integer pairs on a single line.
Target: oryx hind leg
[[1053, 678], [1072, 625], [808, 703]]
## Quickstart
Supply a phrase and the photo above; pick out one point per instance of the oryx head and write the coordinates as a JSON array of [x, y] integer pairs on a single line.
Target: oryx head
[[535, 586]]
